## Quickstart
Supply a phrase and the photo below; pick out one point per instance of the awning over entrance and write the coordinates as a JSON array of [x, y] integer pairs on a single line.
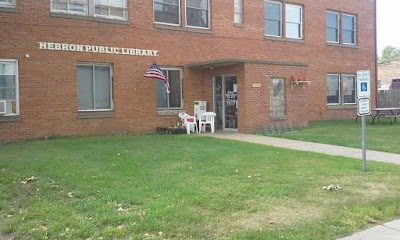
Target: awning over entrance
[[234, 61]]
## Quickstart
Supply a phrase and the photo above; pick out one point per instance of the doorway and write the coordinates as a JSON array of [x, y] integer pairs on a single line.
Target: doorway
[[226, 102]]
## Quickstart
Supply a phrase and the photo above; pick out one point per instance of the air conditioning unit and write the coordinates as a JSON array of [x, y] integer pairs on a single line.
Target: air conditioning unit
[[3, 107]]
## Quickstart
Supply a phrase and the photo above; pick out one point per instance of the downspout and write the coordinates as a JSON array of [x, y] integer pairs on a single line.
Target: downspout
[[376, 56]]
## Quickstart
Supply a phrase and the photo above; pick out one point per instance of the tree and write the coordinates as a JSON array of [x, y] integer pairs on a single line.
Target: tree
[[389, 54]]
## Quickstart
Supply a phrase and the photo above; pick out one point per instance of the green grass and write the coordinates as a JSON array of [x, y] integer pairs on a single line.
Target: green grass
[[186, 187], [381, 136]]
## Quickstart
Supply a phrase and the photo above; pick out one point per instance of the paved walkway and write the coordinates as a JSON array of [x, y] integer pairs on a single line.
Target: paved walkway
[[387, 231]]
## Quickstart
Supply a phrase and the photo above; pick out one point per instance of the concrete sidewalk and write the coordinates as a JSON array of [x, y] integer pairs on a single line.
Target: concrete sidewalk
[[387, 231]]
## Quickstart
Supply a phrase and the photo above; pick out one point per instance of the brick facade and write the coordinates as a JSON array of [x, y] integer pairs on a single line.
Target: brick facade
[[48, 97]]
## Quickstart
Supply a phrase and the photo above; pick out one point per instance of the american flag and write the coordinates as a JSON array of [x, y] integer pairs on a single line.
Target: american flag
[[155, 71]]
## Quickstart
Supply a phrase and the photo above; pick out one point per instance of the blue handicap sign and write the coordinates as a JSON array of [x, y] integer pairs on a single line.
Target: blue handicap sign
[[364, 86]]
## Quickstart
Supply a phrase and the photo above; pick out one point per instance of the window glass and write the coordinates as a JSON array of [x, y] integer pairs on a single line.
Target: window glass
[[7, 3], [332, 27], [167, 11], [116, 9], [272, 18], [333, 89], [8, 87], [277, 98], [349, 24], [294, 21], [111, 8], [197, 13], [349, 89], [78, 6], [238, 10], [174, 98], [94, 87]]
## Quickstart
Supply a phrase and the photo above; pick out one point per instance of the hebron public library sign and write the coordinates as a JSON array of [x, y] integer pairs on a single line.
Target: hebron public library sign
[[96, 49]]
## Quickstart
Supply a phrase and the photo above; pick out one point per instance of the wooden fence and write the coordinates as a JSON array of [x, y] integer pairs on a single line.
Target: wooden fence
[[388, 98]]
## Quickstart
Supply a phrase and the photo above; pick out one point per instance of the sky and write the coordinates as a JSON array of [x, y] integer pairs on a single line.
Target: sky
[[388, 24]]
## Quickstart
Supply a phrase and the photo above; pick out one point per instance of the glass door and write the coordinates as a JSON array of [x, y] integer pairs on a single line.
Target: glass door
[[226, 102]]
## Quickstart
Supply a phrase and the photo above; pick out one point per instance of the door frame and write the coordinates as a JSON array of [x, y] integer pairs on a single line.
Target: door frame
[[223, 76]]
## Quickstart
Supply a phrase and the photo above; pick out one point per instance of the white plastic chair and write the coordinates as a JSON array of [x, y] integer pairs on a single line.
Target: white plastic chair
[[207, 118], [189, 122]]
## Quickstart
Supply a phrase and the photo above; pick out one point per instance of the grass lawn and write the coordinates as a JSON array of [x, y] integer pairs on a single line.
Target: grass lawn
[[186, 187], [381, 136]]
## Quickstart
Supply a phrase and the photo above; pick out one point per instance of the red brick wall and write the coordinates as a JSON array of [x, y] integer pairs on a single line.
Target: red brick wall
[[48, 81]]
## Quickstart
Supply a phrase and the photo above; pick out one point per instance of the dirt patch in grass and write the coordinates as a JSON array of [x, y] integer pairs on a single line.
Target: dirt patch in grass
[[8, 236]]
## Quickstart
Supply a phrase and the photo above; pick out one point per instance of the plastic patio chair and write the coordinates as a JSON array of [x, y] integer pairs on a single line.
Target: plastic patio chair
[[189, 122], [207, 118]]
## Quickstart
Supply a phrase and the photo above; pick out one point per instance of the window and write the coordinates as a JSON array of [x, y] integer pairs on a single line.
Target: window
[[7, 3], [340, 28], [349, 89], [174, 98], [115, 9], [197, 13], [292, 17], [332, 27], [341, 89], [273, 18], [94, 87], [238, 12], [9, 100], [169, 12], [277, 98], [349, 29]]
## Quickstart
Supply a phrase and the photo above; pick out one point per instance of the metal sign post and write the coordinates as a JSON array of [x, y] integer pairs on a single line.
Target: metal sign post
[[363, 108]]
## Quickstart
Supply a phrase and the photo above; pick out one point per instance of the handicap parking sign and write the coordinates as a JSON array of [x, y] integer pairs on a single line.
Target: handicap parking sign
[[364, 86]]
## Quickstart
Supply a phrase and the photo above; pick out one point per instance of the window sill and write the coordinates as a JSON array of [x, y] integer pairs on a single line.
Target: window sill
[[86, 115], [341, 107], [168, 112], [342, 45], [180, 28], [239, 25], [284, 39], [277, 118], [9, 118], [8, 9], [89, 18]]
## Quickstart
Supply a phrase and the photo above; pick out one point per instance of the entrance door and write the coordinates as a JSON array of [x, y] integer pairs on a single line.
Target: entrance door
[[226, 102]]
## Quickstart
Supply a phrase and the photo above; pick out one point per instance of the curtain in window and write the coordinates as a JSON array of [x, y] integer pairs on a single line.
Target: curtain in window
[[293, 21]]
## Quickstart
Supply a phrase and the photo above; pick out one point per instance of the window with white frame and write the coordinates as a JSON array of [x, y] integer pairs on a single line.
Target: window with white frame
[[341, 89], [349, 89], [276, 13], [273, 18], [167, 11], [341, 28], [9, 99], [198, 13], [349, 29], [294, 21], [94, 87], [172, 100], [114, 9], [333, 89], [238, 12], [7, 3], [332, 27]]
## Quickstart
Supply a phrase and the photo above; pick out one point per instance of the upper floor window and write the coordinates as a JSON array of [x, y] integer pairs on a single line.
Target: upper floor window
[[197, 13], [172, 100], [94, 87], [9, 99], [116, 9], [7, 3], [238, 12], [274, 17], [341, 28]]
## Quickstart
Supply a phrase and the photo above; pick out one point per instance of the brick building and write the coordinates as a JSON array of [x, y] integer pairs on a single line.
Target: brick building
[[76, 67]]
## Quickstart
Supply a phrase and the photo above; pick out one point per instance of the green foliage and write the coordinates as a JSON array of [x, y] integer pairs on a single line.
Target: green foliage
[[186, 187], [389, 54]]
